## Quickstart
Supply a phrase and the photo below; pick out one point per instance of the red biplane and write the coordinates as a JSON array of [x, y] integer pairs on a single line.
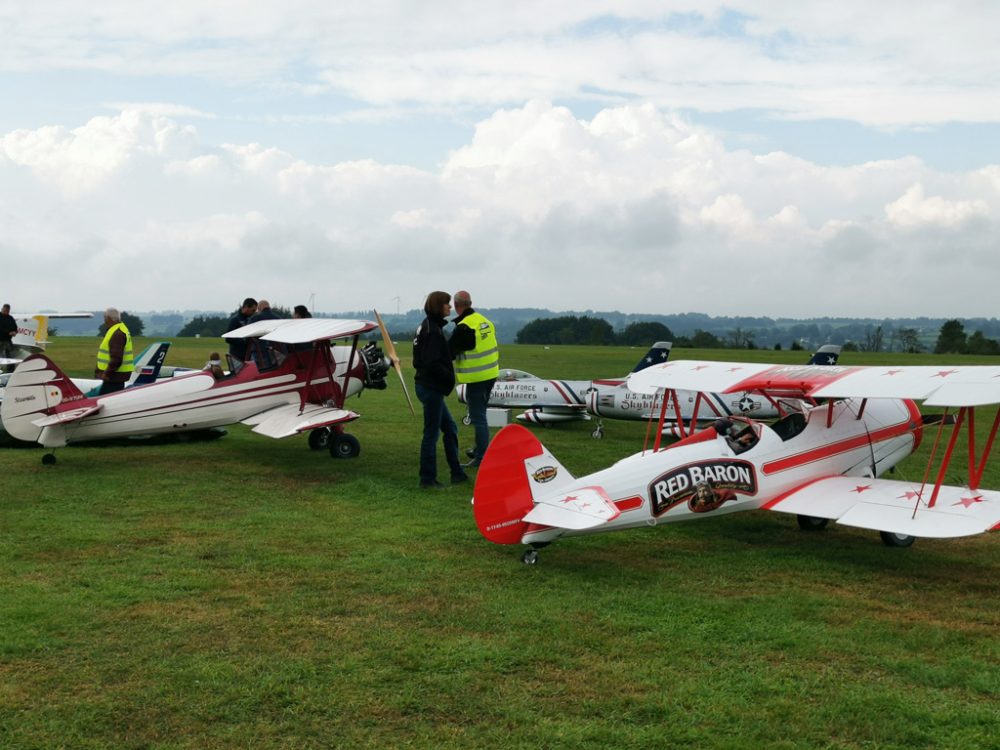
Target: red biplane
[[821, 463], [293, 381]]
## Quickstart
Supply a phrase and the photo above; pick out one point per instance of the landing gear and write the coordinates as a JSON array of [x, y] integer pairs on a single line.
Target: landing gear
[[49, 459], [467, 419], [530, 556], [598, 432], [345, 446], [891, 539], [319, 438], [811, 523]]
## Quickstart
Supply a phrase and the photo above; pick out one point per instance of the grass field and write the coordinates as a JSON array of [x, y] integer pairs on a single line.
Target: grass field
[[248, 592]]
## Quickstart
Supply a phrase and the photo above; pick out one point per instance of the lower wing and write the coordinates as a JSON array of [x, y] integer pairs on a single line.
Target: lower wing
[[894, 506], [284, 421]]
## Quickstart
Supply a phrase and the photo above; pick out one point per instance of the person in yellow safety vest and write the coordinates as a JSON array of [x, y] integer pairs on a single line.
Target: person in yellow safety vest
[[477, 364], [114, 358]]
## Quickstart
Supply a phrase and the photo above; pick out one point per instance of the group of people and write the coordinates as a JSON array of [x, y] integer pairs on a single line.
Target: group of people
[[249, 312], [469, 356]]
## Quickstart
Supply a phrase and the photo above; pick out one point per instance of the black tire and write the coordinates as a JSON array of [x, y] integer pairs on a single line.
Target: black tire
[[319, 438], [466, 420], [812, 523], [49, 459], [598, 433], [891, 539], [345, 446], [530, 557]]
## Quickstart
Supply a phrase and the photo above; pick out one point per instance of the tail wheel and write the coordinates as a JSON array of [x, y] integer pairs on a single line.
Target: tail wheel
[[49, 459], [319, 438], [891, 539], [467, 420], [812, 523], [345, 446], [530, 557]]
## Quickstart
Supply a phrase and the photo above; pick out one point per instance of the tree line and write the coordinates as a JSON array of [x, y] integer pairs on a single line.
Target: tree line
[[586, 330]]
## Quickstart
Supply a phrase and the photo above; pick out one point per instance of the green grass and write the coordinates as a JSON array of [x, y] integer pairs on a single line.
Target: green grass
[[252, 593]]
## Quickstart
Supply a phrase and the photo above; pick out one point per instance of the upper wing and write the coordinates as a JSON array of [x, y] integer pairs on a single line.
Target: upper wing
[[290, 419], [583, 508], [301, 330], [966, 385], [897, 507]]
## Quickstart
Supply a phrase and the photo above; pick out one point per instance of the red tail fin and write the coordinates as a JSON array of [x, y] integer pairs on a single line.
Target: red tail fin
[[502, 493], [36, 387]]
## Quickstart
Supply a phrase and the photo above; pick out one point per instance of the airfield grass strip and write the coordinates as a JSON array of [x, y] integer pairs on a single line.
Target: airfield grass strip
[[246, 592]]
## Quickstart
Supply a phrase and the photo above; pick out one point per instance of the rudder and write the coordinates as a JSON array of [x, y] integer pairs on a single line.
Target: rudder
[[502, 495]]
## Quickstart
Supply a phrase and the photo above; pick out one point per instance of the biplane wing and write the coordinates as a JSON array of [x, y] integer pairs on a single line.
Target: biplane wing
[[965, 385], [291, 419], [301, 330], [894, 506]]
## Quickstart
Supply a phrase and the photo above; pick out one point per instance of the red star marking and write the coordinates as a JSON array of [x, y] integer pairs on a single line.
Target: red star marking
[[734, 369], [892, 372], [967, 501], [861, 488], [908, 495], [584, 505], [569, 498], [944, 373], [699, 367]]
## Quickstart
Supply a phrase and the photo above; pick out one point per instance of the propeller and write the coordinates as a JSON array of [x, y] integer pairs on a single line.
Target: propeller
[[390, 350]]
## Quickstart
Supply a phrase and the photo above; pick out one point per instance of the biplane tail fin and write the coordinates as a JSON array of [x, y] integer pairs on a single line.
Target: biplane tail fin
[[516, 467], [33, 392]]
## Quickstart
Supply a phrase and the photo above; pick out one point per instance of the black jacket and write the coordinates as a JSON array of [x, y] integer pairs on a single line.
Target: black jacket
[[432, 358]]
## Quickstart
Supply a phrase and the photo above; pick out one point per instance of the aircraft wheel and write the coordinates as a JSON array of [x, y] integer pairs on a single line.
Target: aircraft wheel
[[49, 459], [598, 433], [319, 438], [530, 556], [890, 539], [812, 523], [466, 420], [345, 446]]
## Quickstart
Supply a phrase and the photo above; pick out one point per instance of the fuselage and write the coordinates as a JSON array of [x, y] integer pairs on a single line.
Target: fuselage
[[704, 475]]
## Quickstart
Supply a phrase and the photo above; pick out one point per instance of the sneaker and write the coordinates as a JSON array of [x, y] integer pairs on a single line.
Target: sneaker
[[470, 452], [459, 478], [432, 485]]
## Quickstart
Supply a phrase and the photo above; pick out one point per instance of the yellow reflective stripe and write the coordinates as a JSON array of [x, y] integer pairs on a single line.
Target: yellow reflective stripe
[[104, 352]]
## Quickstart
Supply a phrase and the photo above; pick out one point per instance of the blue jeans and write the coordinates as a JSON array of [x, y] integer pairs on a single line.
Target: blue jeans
[[437, 420], [477, 397]]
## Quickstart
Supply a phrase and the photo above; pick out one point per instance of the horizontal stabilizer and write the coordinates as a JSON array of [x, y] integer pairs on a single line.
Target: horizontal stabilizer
[[894, 506], [70, 415], [288, 420], [583, 508]]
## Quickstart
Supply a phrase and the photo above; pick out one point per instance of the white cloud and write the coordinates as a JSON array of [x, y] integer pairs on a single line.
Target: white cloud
[[633, 209], [889, 64]]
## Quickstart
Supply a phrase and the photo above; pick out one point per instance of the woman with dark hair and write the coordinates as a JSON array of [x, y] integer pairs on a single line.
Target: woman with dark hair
[[435, 379], [301, 311]]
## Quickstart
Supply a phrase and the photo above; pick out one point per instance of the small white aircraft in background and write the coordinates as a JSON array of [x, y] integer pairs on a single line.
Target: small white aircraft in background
[[552, 401], [32, 333], [294, 381], [613, 399]]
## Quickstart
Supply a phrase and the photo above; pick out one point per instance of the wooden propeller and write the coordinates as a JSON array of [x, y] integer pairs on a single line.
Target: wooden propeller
[[390, 350]]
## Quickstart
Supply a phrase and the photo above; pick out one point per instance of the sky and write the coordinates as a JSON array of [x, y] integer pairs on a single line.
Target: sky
[[785, 158]]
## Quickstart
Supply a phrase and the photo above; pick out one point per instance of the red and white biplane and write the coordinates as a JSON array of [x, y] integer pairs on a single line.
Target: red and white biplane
[[821, 463], [294, 380]]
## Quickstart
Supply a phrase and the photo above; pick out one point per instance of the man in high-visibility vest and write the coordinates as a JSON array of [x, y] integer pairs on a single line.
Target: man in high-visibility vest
[[477, 364], [114, 358]]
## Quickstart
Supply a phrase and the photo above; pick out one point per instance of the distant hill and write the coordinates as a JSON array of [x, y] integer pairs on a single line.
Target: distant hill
[[764, 331]]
